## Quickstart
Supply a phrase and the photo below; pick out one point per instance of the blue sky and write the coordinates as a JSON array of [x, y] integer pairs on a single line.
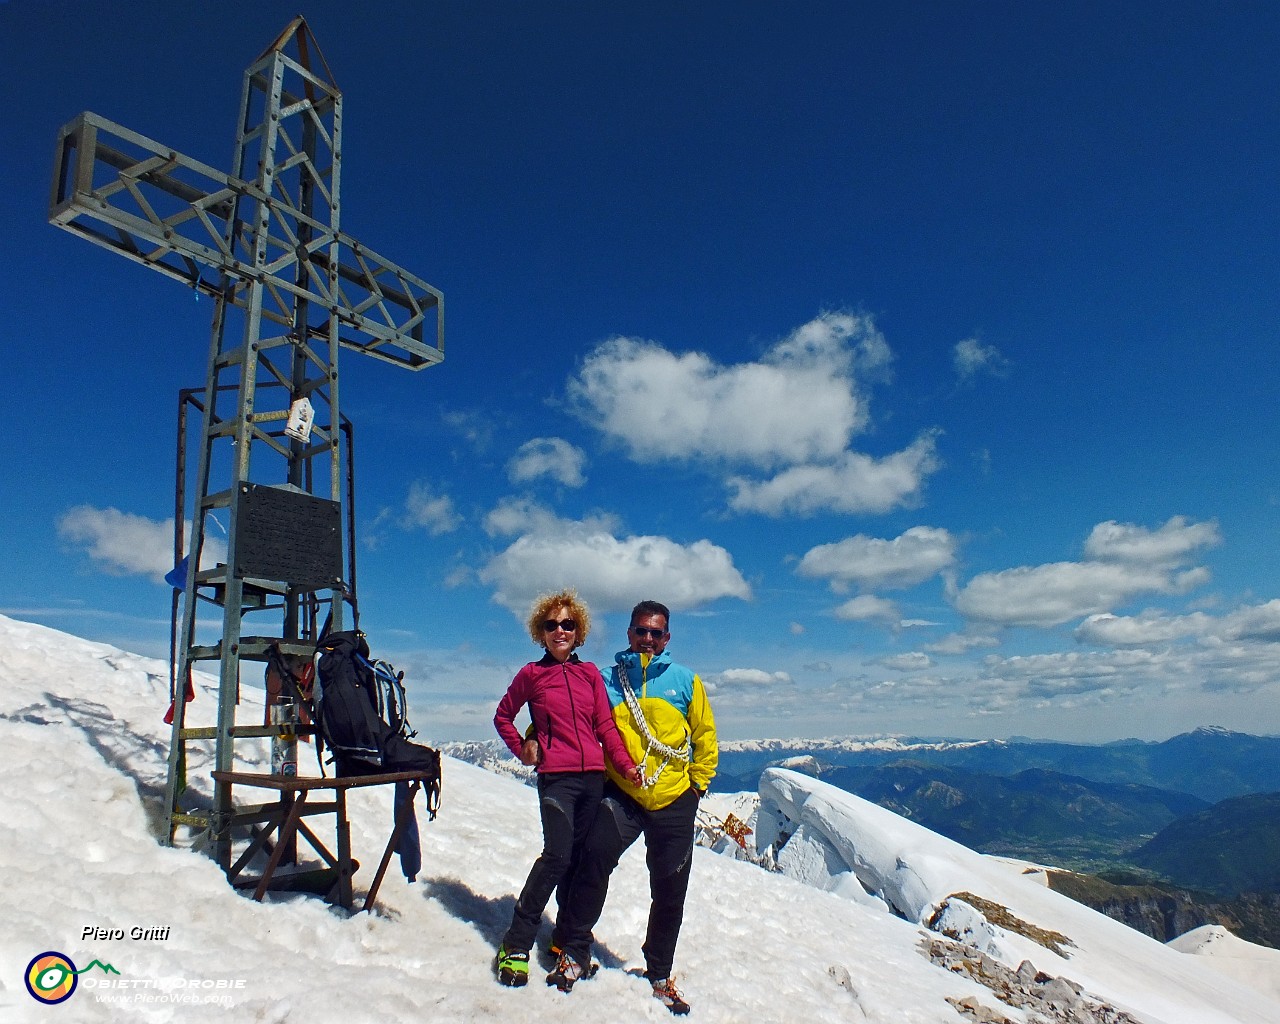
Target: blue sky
[[920, 356]]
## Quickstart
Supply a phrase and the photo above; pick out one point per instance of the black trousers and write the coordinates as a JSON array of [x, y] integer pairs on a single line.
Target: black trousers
[[568, 802], [668, 840]]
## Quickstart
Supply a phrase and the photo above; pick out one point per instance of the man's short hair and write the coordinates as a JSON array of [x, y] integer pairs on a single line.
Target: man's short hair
[[652, 608]]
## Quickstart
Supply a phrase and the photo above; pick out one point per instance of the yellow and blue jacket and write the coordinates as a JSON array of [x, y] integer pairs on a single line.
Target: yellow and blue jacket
[[676, 710]]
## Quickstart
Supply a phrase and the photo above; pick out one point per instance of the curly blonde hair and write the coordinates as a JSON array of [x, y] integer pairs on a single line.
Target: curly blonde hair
[[547, 603]]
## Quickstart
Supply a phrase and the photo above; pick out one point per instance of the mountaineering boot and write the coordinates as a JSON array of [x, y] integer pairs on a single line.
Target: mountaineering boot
[[567, 971], [555, 949], [666, 991], [513, 967]]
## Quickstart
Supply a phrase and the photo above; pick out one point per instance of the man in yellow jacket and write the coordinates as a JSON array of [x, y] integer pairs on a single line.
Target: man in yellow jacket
[[662, 712]]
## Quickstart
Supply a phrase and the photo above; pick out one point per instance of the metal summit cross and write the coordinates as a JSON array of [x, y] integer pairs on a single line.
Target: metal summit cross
[[289, 290]]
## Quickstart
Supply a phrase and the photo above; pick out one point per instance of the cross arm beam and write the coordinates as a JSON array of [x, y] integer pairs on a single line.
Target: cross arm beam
[[167, 211]]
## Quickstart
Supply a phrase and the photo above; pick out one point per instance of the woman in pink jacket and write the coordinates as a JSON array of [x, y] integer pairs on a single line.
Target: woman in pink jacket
[[572, 721]]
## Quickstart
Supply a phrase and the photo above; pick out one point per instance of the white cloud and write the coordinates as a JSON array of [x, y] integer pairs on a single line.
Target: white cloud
[[871, 563], [476, 427], [908, 691], [459, 576], [788, 418], [971, 358], [1172, 544], [1127, 562], [961, 643], [121, 543], [548, 456], [746, 677], [799, 402], [424, 509], [1074, 674], [868, 608], [1259, 622], [1107, 630], [1049, 595], [1170, 687], [914, 661], [1251, 623], [850, 483], [610, 572], [513, 516]]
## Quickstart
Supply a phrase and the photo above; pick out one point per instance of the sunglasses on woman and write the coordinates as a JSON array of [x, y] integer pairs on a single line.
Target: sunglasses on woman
[[551, 625]]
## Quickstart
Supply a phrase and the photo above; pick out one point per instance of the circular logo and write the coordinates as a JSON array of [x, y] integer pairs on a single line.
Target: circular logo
[[51, 977]]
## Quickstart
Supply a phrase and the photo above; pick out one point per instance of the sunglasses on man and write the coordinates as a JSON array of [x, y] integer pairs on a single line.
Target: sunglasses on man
[[653, 634]]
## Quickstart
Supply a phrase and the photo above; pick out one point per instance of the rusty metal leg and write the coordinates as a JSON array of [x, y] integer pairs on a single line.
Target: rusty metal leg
[[345, 870], [259, 839], [287, 831]]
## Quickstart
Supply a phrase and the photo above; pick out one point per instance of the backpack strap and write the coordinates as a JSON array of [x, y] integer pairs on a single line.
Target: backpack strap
[[299, 686], [431, 792]]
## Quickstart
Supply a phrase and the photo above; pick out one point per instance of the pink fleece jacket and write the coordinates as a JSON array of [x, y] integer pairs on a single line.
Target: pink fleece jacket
[[571, 714]]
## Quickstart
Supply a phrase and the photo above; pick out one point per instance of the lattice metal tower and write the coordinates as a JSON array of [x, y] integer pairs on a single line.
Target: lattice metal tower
[[289, 290]]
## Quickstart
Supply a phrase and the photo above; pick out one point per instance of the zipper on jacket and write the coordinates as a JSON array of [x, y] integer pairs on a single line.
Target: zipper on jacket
[[573, 718]]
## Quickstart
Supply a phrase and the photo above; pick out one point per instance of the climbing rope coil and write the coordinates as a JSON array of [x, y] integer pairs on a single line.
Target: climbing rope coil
[[652, 744]]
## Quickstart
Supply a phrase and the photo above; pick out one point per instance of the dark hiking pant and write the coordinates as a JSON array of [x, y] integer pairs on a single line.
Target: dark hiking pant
[[668, 840], [568, 802]]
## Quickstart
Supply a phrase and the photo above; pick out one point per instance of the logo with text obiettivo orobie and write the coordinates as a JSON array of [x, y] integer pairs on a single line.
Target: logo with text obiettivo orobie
[[51, 977]]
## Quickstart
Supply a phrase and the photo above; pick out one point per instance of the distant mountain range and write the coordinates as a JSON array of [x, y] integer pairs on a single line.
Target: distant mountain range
[[1035, 814], [1210, 763], [1182, 833]]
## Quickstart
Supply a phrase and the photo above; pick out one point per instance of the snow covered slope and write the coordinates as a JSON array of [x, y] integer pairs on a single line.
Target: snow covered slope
[[1256, 966], [841, 843], [82, 755]]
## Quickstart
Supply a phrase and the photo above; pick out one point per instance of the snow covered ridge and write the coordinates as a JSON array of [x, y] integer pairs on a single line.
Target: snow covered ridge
[[851, 744], [491, 755], [1016, 935], [82, 757]]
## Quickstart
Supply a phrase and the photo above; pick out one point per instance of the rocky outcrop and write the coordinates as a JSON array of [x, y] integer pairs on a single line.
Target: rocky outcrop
[[1041, 997]]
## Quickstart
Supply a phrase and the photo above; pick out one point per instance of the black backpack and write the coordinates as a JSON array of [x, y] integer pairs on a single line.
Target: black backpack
[[360, 715]]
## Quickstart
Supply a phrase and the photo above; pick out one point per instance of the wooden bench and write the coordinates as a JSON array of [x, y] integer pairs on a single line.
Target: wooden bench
[[282, 818]]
